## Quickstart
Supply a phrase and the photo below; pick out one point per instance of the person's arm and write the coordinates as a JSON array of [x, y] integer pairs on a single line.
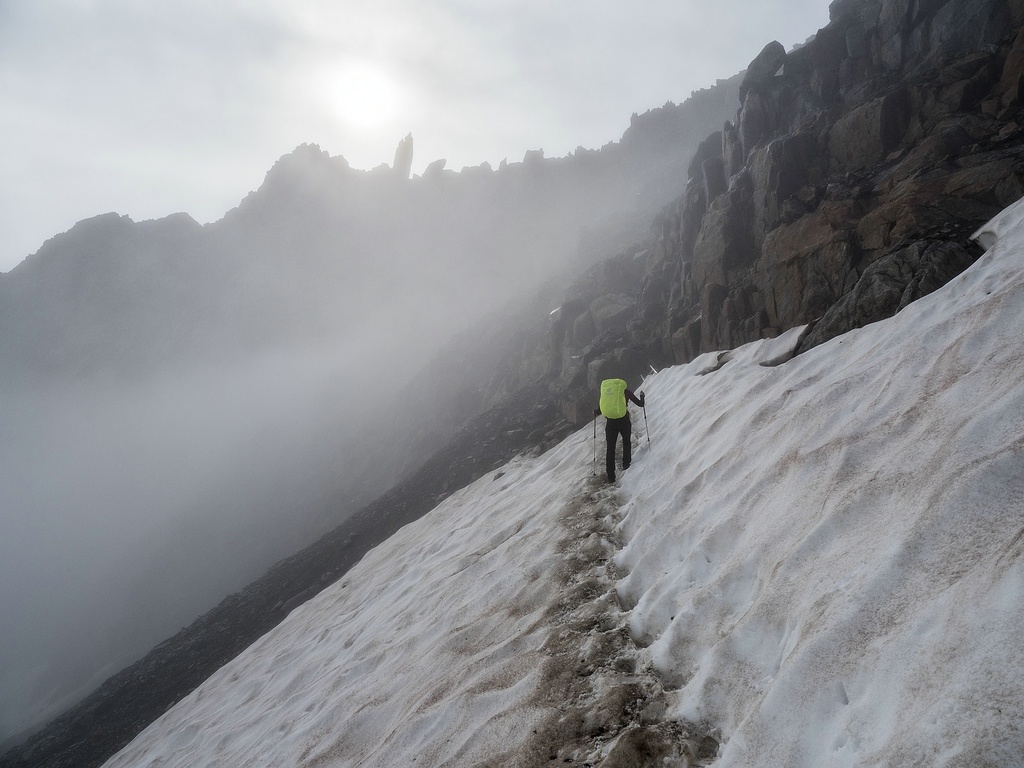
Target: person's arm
[[633, 397]]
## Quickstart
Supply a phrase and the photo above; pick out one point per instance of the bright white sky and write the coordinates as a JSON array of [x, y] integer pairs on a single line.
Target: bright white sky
[[147, 108], [822, 559]]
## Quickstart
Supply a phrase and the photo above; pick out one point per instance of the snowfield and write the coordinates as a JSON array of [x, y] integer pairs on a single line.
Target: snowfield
[[814, 561]]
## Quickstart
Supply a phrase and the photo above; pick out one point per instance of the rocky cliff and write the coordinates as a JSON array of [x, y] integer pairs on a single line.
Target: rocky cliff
[[845, 187], [842, 186]]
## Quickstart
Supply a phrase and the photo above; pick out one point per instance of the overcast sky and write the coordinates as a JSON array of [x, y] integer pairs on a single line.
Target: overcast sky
[[148, 108]]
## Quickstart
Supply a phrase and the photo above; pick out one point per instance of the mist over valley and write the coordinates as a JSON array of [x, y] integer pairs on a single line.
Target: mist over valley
[[185, 405], [204, 426]]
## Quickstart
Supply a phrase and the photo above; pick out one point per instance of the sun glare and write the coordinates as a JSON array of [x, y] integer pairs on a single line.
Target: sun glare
[[363, 95]]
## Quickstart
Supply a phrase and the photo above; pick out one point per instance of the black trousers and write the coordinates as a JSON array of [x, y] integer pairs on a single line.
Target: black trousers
[[612, 429]]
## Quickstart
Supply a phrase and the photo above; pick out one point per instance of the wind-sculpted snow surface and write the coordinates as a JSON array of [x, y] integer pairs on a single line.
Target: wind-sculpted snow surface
[[820, 558], [826, 559], [424, 654]]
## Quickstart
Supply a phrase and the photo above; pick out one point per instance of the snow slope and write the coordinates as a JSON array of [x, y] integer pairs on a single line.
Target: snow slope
[[818, 561]]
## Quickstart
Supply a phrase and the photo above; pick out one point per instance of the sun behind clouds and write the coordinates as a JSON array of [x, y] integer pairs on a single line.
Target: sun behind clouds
[[362, 94]]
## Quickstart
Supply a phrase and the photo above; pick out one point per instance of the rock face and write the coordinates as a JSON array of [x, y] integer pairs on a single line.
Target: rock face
[[403, 158], [848, 184], [855, 175], [855, 170], [763, 68]]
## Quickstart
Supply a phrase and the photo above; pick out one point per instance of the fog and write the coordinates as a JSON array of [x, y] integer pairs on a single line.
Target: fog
[[183, 405], [130, 508], [133, 503]]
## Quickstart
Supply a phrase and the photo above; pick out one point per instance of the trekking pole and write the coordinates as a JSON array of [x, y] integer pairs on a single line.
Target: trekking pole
[[593, 469], [646, 428]]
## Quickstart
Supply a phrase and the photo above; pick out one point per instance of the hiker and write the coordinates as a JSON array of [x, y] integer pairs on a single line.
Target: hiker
[[614, 394]]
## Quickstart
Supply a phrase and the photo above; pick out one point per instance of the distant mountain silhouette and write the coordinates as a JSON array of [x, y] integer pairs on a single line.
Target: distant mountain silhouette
[[321, 249], [202, 400]]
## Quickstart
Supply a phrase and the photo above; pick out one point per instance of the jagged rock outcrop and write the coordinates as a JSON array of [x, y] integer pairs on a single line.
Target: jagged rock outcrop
[[890, 283], [403, 158], [848, 184], [864, 158], [434, 169], [763, 68]]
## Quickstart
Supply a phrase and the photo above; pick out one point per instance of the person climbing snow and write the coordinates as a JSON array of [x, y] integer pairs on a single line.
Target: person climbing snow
[[613, 407]]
